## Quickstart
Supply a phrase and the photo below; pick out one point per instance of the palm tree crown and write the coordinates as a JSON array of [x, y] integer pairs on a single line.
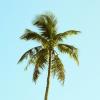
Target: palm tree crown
[[45, 53]]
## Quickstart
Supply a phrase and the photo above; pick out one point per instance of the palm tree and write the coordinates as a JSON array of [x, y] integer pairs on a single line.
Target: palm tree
[[45, 54]]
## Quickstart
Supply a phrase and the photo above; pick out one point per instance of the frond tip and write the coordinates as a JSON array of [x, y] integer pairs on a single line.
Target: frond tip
[[25, 55], [36, 74], [28, 35]]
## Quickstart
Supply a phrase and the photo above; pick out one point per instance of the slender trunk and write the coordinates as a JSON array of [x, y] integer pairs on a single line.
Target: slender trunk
[[48, 77]]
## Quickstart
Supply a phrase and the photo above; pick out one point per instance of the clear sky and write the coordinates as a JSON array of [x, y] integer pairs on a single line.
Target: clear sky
[[83, 82]]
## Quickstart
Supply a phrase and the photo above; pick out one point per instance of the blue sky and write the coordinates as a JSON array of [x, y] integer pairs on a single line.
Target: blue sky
[[83, 82]]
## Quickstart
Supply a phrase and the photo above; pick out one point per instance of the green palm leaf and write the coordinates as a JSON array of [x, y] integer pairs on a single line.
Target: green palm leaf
[[47, 24], [30, 35], [30, 53], [57, 68], [41, 58], [69, 49], [60, 36]]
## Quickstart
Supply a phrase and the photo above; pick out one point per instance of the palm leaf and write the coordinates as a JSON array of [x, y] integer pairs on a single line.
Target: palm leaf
[[58, 68], [47, 24], [41, 58], [60, 36], [30, 53], [69, 49], [30, 35]]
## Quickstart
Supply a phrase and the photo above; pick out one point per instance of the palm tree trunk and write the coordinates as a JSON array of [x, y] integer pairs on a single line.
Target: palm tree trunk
[[48, 77]]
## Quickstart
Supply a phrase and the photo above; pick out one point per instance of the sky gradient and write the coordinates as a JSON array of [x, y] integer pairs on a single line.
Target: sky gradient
[[83, 82]]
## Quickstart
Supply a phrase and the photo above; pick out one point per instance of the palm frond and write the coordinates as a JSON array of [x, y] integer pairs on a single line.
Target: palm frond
[[58, 68], [30, 53], [60, 36], [30, 35], [41, 58], [69, 49], [47, 24]]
